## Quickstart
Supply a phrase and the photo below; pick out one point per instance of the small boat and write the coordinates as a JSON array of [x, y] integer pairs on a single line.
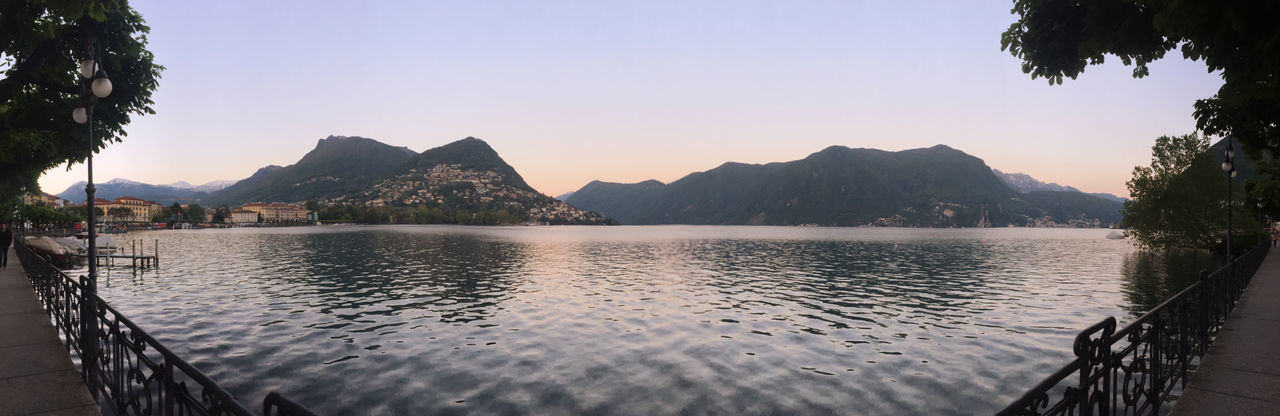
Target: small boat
[[57, 252], [1115, 235]]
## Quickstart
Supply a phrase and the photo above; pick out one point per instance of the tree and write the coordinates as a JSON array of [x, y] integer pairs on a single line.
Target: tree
[[1178, 201], [41, 43], [120, 213], [1059, 38], [195, 213], [222, 214], [174, 211]]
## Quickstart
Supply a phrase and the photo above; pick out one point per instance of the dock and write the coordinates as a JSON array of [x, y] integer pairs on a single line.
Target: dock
[[1240, 373], [137, 256], [37, 376]]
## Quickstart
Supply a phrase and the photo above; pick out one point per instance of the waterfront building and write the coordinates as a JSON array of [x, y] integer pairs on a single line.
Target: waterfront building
[[44, 200], [243, 216], [140, 210], [277, 212]]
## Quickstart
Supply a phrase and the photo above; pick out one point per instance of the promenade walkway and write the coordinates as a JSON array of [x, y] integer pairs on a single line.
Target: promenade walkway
[[36, 373], [1240, 374]]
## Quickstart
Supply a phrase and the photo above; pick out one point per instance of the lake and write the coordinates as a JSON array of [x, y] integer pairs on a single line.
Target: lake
[[636, 320]]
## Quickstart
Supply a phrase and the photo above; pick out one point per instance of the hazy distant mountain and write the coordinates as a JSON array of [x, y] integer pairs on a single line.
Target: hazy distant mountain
[[115, 188], [1025, 183], [208, 187], [933, 187], [338, 165], [564, 196], [1109, 197]]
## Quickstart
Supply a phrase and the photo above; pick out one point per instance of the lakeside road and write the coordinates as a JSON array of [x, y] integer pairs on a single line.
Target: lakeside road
[[1240, 374], [36, 373]]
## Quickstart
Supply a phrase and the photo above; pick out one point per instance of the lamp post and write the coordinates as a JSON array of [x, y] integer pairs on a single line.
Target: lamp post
[[93, 86], [1261, 233], [1229, 167]]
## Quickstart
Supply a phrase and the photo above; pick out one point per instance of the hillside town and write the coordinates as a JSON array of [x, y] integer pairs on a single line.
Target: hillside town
[[452, 187]]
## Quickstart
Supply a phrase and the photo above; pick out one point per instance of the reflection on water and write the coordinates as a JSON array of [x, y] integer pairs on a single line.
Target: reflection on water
[[1153, 277], [635, 320]]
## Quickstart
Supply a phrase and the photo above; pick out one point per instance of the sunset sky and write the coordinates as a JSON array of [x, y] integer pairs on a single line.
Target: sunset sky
[[570, 92]]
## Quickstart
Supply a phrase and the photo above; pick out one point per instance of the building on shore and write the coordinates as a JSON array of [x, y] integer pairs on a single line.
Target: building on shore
[[243, 216], [138, 210], [44, 200], [277, 212]]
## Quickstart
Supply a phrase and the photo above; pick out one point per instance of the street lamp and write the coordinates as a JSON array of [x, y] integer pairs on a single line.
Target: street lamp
[[93, 85], [1230, 169], [1261, 233]]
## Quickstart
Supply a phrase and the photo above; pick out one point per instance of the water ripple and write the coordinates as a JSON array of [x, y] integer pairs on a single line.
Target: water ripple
[[635, 320]]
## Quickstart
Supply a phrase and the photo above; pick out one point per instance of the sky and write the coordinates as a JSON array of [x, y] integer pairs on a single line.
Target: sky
[[573, 91]]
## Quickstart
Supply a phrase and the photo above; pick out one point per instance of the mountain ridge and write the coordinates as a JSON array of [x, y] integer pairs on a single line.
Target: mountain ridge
[[337, 165], [464, 181], [1025, 183], [938, 186], [118, 187]]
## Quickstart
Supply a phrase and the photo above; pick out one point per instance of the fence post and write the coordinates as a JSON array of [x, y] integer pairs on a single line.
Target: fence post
[[89, 337], [1157, 383], [169, 388], [1204, 316], [1086, 367]]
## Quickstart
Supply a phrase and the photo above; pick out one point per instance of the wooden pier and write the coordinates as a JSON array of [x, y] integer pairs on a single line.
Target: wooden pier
[[137, 256]]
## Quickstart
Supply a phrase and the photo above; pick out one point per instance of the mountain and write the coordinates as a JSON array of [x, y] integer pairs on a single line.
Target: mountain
[[208, 187], [1025, 183], [933, 187], [466, 178], [470, 154], [1109, 197], [338, 165], [115, 188], [564, 196]]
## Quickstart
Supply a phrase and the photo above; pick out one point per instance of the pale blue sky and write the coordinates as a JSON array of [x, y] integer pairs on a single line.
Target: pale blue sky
[[568, 92]]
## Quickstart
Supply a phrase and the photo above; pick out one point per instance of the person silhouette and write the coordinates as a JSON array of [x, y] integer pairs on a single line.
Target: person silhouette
[[6, 238]]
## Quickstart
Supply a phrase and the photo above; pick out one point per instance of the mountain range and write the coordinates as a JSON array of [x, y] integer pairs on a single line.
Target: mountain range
[[1025, 183], [839, 186], [933, 187], [180, 192]]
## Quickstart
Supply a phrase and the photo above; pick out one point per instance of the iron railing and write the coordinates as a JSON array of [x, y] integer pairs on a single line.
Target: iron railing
[[1135, 370], [130, 373]]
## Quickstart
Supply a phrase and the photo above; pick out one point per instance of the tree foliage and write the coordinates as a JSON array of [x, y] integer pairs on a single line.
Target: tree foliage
[[41, 43], [195, 213], [120, 213], [1179, 200], [1057, 39], [38, 216]]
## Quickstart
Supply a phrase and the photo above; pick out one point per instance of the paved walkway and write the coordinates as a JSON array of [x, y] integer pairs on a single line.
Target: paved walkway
[[36, 374], [1240, 375]]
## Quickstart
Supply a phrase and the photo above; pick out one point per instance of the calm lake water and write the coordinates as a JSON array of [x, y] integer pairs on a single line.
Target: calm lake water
[[636, 320]]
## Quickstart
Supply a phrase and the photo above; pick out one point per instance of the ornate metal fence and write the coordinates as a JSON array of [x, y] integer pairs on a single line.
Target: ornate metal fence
[[131, 373], [1133, 371]]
